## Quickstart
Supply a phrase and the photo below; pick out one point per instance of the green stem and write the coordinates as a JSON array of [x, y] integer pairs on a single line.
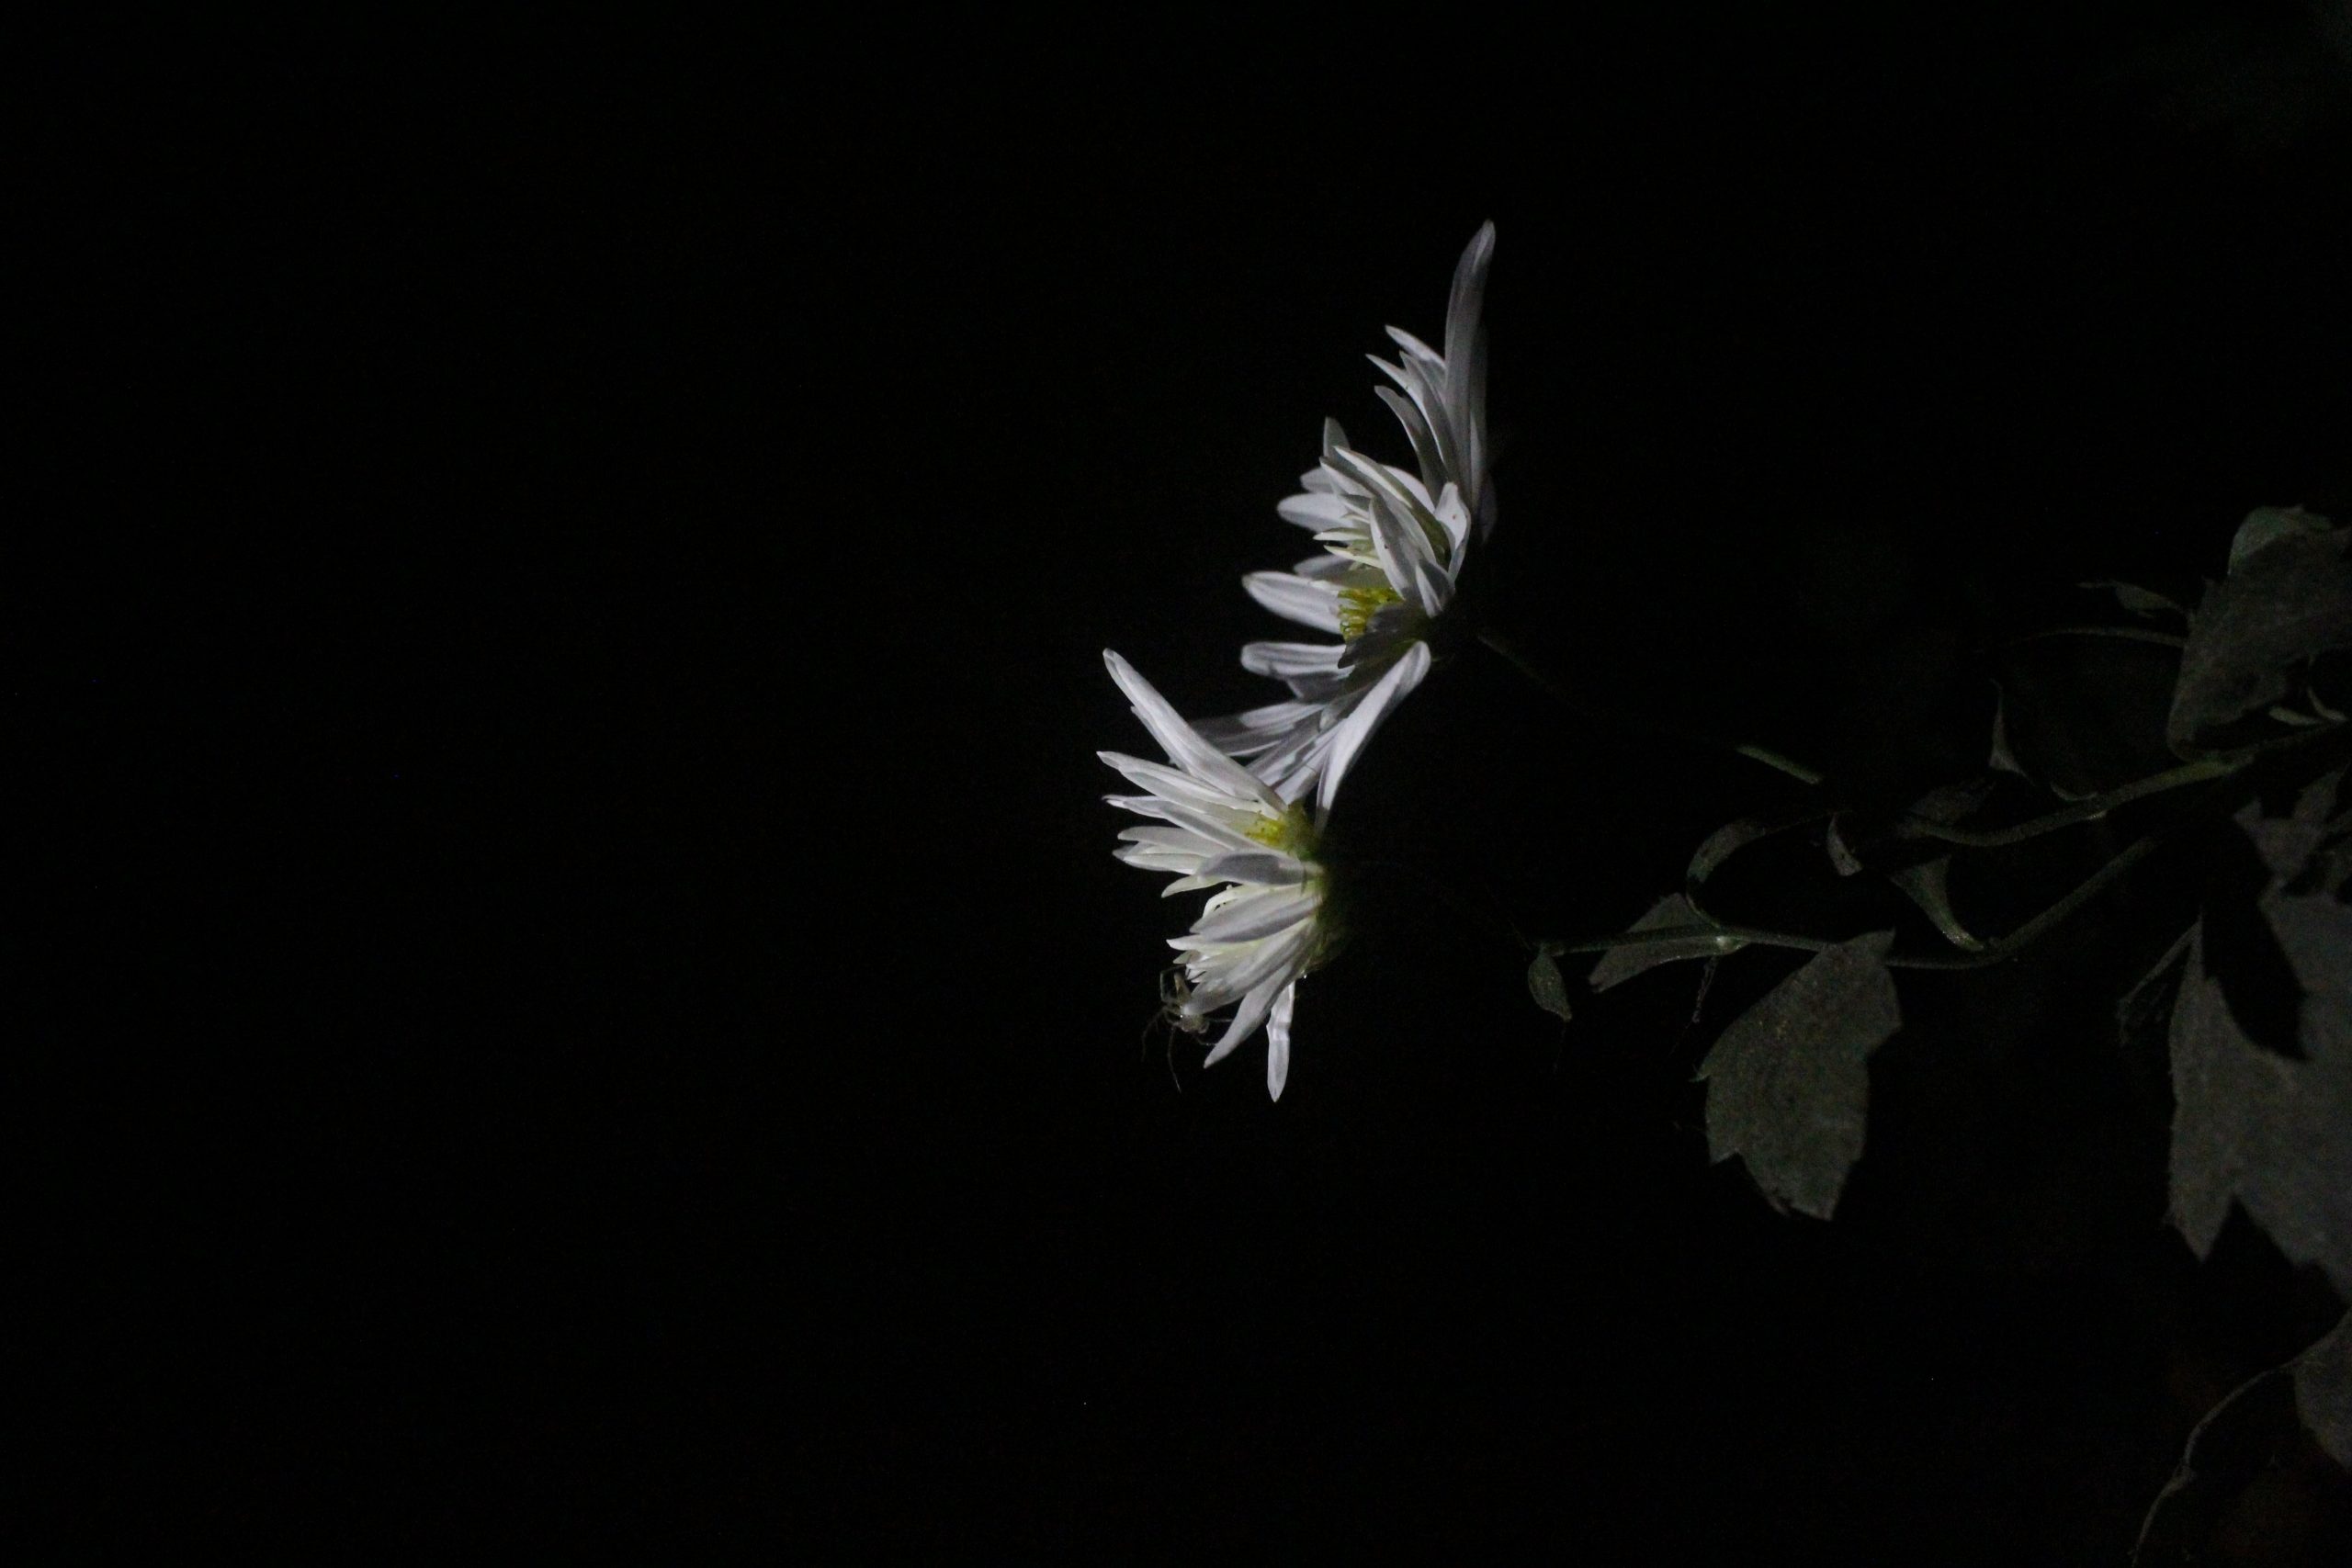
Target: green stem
[[2204, 768], [1496, 644], [1999, 952], [2219, 765]]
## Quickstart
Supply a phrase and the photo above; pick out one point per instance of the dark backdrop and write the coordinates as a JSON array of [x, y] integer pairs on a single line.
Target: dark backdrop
[[593, 990]]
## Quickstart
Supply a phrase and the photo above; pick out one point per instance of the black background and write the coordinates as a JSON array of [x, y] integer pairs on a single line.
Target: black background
[[590, 998]]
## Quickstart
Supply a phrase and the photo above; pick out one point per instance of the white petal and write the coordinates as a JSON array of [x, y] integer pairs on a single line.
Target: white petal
[[1261, 913], [1348, 737], [1296, 599], [1466, 372], [1245, 1023], [1263, 867], [1426, 450], [1312, 511], [1462, 311], [1278, 1041], [1171, 784], [1214, 828], [1420, 357], [1252, 732], [1154, 860], [1288, 660], [1184, 748], [1275, 958], [1455, 518], [1183, 841]]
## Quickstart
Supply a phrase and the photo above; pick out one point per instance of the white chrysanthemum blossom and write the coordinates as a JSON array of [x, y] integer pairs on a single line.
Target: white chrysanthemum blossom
[[1220, 825], [1393, 546]]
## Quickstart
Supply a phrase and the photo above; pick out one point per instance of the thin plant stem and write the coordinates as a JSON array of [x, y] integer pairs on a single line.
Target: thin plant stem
[[2219, 765], [1728, 937], [2066, 817]]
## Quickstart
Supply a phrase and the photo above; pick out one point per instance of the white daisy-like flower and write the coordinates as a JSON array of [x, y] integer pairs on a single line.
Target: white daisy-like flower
[[1393, 546], [1220, 825]]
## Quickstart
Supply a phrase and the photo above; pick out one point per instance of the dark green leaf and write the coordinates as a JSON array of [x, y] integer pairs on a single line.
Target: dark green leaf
[[1840, 855], [2287, 843], [2003, 760], [2266, 524], [1926, 884], [2274, 1135], [1543, 983], [2238, 1443], [2256, 1438], [2285, 603], [1787, 1084], [1722, 845], [1624, 962], [2322, 1377]]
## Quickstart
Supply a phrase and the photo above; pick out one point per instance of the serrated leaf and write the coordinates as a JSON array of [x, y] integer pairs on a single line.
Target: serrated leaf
[[1621, 964], [2289, 601], [2249, 1435], [2250, 1125], [2322, 1377], [1787, 1084], [2266, 524], [1544, 984]]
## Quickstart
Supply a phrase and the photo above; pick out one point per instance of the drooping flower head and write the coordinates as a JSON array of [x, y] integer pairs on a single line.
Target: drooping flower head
[[1393, 546], [1217, 824]]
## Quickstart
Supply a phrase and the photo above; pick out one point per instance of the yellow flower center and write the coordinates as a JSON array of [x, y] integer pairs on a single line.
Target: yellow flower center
[[1358, 606], [1292, 833]]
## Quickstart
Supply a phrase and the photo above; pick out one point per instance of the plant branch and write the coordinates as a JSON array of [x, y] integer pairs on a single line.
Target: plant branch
[[2221, 764], [1728, 937]]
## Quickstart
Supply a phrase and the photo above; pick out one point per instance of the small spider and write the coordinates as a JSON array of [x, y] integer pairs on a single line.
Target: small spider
[[1175, 995]]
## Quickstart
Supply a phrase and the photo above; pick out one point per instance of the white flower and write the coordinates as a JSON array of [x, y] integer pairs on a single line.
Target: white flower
[[1220, 825], [1394, 547]]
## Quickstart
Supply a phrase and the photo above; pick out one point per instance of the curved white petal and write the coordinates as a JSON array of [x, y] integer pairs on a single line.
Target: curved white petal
[[1251, 965], [1264, 912], [1261, 867], [1288, 660], [1167, 783], [1295, 598], [1278, 1041], [1313, 510], [1251, 1014], [1184, 748], [1348, 737]]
